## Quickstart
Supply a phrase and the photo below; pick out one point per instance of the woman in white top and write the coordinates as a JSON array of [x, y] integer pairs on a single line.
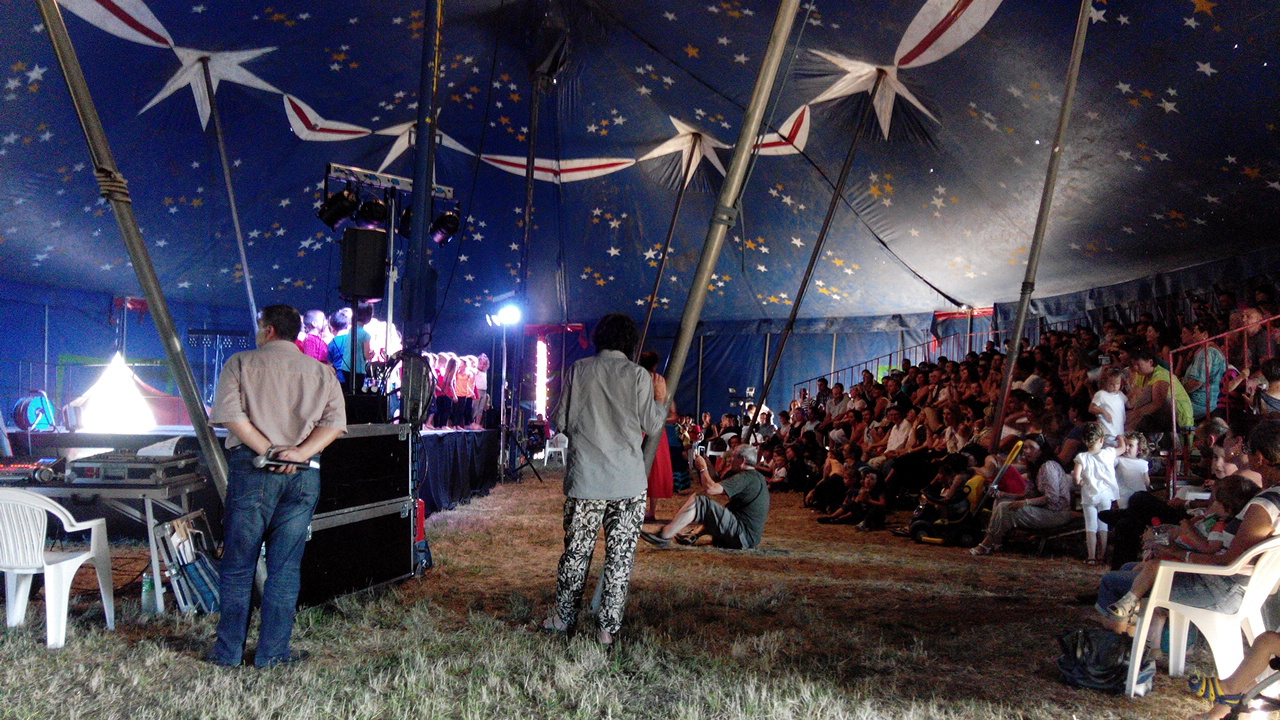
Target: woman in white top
[[1095, 473]]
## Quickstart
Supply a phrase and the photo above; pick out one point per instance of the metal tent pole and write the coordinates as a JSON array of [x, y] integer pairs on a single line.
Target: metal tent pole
[[116, 190], [666, 247], [726, 211], [1042, 219], [231, 193], [838, 193]]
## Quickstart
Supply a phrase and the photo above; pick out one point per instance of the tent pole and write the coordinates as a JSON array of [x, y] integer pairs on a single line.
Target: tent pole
[[417, 263], [837, 194], [666, 247], [1042, 219], [231, 193], [115, 189], [726, 211]]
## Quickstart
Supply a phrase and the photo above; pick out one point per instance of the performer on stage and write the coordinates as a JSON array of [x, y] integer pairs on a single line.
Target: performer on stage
[[606, 406], [340, 347], [278, 403], [312, 342]]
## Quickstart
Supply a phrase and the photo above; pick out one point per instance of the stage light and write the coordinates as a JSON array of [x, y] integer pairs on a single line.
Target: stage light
[[338, 207], [115, 403], [372, 212], [445, 227], [508, 315], [490, 319]]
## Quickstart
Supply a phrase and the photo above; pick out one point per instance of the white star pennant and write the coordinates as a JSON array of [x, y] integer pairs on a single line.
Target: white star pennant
[[222, 66], [861, 77], [689, 140]]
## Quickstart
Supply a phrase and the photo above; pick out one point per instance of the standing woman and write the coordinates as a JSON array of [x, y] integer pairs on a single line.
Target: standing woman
[[607, 406], [464, 387], [444, 390], [661, 477]]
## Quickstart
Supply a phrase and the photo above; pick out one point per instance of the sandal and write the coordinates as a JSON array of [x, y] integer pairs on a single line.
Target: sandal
[[983, 549], [1209, 688]]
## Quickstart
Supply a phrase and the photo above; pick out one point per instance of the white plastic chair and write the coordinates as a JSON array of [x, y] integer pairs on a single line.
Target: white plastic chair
[[1222, 630], [557, 445], [23, 521], [717, 447]]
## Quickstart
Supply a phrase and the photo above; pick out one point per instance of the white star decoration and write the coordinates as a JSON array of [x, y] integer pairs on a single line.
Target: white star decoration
[[222, 66]]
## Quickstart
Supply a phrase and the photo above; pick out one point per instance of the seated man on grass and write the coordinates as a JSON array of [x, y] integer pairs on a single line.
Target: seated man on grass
[[738, 525]]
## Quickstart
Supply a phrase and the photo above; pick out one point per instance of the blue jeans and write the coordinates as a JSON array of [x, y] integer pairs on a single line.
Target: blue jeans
[[1211, 592], [275, 509]]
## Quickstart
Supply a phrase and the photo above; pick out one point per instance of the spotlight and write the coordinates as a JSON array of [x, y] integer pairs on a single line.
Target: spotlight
[[338, 207], [509, 315], [445, 227], [371, 213]]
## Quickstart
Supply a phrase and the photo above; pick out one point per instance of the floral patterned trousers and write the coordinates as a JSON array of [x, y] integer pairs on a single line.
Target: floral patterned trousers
[[582, 520]]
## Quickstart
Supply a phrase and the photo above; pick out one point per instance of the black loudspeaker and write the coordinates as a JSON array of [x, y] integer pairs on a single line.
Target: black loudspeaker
[[364, 264]]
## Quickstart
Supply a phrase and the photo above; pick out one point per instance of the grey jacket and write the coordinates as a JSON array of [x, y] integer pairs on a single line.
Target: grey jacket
[[606, 408]]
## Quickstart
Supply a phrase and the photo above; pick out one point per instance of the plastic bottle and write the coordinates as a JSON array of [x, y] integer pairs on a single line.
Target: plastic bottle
[[148, 594]]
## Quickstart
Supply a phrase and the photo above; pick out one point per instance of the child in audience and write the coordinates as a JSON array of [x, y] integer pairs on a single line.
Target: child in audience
[[865, 503], [1095, 473], [1132, 468], [1108, 403], [1210, 534]]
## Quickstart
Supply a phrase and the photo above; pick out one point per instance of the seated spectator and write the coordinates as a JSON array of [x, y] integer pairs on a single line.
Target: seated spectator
[[865, 504], [1154, 394], [1132, 468], [738, 525], [1202, 376], [1227, 693], [830, 490], [1209, 535], [1047, 506]]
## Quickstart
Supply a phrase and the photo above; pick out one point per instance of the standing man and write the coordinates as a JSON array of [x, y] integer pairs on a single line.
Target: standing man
[[607, 406], [278, 403], [740, 525]]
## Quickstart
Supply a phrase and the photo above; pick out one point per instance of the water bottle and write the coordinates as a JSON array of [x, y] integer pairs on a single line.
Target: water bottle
[[148, 594]]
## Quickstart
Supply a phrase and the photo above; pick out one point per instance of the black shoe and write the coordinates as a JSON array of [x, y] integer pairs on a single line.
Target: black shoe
[[655, 539], [295, 657]]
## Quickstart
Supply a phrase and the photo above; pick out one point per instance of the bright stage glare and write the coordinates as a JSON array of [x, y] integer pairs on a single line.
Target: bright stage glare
[[540, 379], [509, 315], [115, 404]]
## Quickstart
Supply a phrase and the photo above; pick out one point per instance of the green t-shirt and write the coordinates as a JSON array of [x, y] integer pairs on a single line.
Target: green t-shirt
[[1181, 400], [749, 502]]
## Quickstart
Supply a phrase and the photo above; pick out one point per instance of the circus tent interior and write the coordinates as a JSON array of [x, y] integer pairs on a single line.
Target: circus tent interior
[[1169, 180]]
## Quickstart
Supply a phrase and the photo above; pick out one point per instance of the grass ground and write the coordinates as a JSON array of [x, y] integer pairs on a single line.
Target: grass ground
[[819, 622]]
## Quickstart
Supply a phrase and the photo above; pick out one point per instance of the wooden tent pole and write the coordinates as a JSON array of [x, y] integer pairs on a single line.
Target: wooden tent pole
[[115, 189], [1042, 219]]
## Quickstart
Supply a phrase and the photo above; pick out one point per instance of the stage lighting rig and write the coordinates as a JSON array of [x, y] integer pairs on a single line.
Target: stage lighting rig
[[337, 208]]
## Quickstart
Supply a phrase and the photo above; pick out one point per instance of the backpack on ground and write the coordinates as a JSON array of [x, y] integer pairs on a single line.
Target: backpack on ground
[[1099, 659]]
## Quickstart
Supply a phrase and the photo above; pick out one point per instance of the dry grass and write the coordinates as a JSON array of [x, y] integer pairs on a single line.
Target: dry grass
[[820, 622]]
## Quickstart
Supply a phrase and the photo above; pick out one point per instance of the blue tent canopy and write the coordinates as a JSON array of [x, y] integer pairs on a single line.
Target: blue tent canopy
[[1171, 160]]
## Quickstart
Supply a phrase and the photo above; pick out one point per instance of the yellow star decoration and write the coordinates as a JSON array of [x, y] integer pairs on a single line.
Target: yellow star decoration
[[691, 51], [1204, 6]]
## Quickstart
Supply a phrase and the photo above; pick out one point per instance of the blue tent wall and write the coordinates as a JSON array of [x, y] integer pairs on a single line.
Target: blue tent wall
[[83, 328]]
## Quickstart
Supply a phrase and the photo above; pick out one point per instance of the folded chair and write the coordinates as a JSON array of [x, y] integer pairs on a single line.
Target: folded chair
[[23, 522]]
